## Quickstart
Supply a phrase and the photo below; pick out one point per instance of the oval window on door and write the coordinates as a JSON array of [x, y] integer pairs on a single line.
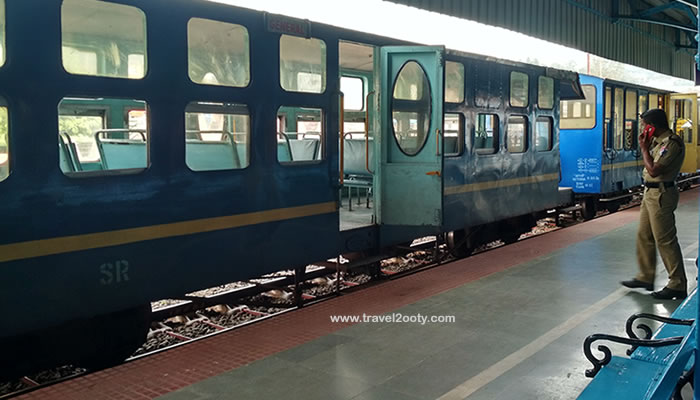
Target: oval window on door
[[410, 108]]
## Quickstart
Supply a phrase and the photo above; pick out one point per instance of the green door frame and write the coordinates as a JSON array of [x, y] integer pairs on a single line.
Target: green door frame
[[409, 180]]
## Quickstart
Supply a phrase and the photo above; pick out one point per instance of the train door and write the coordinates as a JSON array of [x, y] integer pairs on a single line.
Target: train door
[[618, 143], [409, 179], [628, 173], [609, 154], [683, 114]]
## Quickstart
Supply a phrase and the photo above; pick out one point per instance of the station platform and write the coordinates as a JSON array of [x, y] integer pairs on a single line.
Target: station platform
[[521, 313]]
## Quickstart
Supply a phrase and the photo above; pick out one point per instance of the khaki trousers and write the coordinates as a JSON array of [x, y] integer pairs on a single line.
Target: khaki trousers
[[657, 229]]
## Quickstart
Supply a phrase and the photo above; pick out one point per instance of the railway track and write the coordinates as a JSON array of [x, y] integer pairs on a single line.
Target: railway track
[[209, 312]]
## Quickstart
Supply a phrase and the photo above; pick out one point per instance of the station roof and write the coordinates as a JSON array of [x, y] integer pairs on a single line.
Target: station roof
[[658, 35]]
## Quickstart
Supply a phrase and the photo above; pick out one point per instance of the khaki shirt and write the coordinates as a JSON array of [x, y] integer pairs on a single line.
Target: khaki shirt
[[668, 151]]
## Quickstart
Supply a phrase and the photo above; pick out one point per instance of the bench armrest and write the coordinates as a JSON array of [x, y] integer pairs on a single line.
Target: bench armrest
[[607, 354], [629, 326]]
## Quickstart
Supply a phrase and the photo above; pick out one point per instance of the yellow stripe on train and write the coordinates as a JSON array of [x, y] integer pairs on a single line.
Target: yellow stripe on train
[[475, 187], [67, 244], [627, 164]]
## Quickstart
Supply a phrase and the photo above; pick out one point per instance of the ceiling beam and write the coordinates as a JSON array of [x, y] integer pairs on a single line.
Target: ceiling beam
[[688, 28]]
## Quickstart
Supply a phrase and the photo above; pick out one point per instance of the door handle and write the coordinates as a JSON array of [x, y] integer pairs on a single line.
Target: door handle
[[436, 173], [437, 142]]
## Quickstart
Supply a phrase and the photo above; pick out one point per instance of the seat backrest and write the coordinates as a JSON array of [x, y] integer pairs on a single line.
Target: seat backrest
[[451, 144], [284, 151], [242, 153], [71, 150], [355, 157], [122, 153], [304, 149], [64, 158], [211, 156], [67, 154]]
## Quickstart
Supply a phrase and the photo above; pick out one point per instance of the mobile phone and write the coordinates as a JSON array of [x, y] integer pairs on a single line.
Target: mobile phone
[[648, 131]]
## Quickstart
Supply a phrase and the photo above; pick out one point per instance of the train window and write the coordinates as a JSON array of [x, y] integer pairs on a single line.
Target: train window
[[411, 83], [682, 119], [4, 144], [353, 89], [519, 88], [218, 53], [90, 142], [618, 124], [630, 119], [545, 92], [137, 119], [543, 134], [217, 136], [608, 117], [653, 100], [579, 114], [411, 108], [454, 82], [354, 127], [306, 143], [302, 64], [309, 124], [453, 134], [643, 103], [80, 125], [630, 104], [103, 39], [516, 133], [486, 134], [2, 39]]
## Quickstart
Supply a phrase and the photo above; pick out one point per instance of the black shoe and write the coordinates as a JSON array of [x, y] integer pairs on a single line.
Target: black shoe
[[636, 283], [668, 294]]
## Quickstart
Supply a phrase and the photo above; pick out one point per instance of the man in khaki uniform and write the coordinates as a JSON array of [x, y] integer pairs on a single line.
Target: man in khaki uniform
[[663, 155]]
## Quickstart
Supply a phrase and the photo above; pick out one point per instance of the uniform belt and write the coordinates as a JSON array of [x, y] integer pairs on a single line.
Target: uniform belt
[[656, 185]]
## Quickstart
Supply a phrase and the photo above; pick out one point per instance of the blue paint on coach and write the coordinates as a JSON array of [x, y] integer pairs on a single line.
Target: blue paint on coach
[[581, 149]]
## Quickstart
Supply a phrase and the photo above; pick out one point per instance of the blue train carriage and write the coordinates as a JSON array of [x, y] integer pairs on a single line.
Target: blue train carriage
[[683, 117], [600, 156], [504, 171], [481, 164], [216, 153]]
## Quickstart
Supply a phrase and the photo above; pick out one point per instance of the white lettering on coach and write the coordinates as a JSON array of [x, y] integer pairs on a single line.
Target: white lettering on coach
[[113, 273]]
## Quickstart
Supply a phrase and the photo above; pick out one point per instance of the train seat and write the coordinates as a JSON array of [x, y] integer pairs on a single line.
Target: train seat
[[63, 158], [210, 156], [122, 153], [242, 153], [68, 154], [355, 156], [483, 142], [284, 148], [356, 175], [304, 149], [4, 168], [451, 144]]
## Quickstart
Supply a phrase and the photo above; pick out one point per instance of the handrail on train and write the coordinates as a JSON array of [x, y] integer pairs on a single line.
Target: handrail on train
[[367, 132], [141, 132], [342, 137]]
